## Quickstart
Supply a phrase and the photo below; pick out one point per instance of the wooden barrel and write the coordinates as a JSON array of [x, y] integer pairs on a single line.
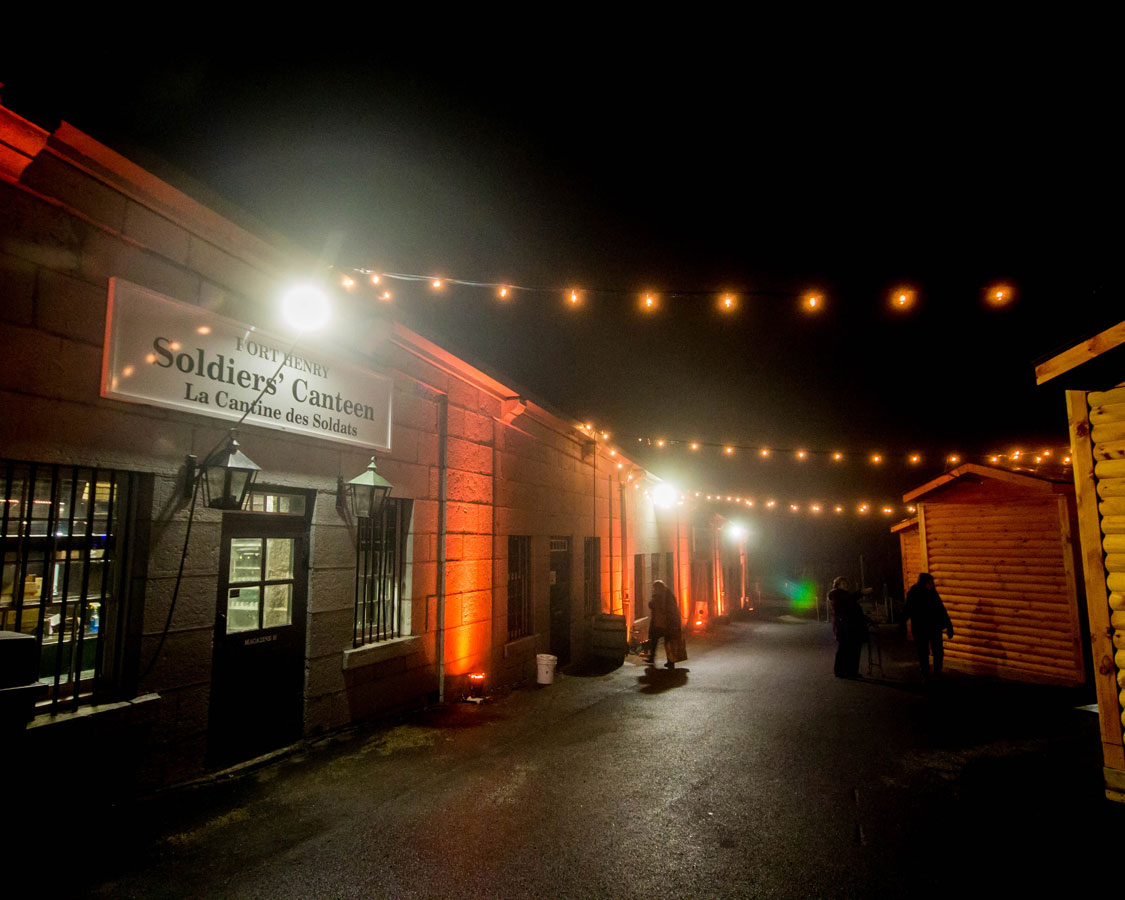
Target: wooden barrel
[[610, 637]]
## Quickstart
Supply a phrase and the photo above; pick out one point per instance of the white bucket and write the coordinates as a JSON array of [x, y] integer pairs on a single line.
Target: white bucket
[[545, 663]]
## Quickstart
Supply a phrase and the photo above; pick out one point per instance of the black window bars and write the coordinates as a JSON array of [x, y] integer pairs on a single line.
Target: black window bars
[[379, 572], [60, 544]]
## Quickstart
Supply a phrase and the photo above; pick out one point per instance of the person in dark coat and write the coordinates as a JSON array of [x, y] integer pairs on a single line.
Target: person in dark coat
[[849, 624], [925, 609], [664, 621]]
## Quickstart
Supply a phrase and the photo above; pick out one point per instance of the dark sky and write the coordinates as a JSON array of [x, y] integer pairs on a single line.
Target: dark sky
[[701, 163]]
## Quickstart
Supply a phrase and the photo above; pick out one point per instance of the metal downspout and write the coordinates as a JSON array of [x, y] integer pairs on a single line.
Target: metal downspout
[[443, 429]]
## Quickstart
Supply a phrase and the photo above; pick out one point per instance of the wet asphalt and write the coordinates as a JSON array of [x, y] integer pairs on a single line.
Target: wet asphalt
[[749, 772]]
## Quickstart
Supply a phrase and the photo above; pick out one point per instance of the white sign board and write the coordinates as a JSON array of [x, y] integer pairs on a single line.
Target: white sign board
[[165, 353]]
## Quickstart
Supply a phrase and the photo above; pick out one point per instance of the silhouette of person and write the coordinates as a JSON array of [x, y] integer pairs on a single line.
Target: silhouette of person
[[664, 621], [849, 624], [925, 609]]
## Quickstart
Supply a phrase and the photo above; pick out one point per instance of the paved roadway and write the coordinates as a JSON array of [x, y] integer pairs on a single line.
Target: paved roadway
[[752, 773]]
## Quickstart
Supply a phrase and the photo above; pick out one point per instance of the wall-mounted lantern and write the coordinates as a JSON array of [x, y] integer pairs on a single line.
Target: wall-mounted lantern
[[368, 492], [227, 474]]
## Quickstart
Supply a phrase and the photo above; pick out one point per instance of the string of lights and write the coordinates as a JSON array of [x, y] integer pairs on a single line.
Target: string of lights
[[1044, 456], [812, 301]]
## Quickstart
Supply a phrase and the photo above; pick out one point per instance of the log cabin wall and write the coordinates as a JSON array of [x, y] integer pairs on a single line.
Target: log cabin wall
[[1003, 561], [1107, 431]]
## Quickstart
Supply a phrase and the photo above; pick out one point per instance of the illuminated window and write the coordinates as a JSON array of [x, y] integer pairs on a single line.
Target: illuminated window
[[61, 582]]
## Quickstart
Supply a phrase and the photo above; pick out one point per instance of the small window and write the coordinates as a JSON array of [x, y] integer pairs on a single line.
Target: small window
[[281, 503], [519, 586], [260, 591], [381, 606], [593, 579], [61, 544]]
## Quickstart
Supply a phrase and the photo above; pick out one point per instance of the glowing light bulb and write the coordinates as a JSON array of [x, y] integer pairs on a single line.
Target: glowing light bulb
[[812, 302], [1066, 461], [815, 507], [794, 507], [902, 299], [995, 459], [837, 456], [770, 504], [728, 450], [876, 458], [955, 459], [503, 293], [660, 443], [386, 295], [915, 459], [999, 295], [887, 510], [348, 282], [765, 451], [694, 445], [838, 509], [204, 329], [374, 279], [436, 284], [801, 454]]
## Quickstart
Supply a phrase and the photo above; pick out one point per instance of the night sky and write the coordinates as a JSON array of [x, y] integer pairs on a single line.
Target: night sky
[[688, 167]]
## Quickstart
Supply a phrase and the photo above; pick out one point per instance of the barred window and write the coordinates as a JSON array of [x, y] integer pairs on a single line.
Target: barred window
[[61, 539], [593, 580], [519, 586], [381, 608]]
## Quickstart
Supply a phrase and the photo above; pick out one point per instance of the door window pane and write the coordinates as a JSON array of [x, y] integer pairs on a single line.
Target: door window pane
[[245, 559], [279, 558], [279, 605], [242, 609]]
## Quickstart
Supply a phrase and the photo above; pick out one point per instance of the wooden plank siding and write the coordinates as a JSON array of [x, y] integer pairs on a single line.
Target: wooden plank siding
[[1001, 566], [1107, 434]]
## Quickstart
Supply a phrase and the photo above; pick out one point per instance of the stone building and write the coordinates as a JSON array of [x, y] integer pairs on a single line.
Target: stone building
[[175, 628]]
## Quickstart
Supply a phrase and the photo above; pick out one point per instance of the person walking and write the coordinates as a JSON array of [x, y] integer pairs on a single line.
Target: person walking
[[849, 624], [664, 622], [925, 609]]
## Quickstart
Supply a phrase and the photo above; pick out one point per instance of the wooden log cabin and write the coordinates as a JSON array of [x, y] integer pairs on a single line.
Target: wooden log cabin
[[1092, 373], [999, 545]]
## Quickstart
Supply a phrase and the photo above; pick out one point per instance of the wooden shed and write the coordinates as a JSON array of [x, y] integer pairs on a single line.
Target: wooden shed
[[1093, 374], [999, 545]]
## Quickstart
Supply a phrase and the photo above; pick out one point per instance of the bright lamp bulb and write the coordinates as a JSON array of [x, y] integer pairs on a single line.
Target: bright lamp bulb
[[305, 307], [664, 495]]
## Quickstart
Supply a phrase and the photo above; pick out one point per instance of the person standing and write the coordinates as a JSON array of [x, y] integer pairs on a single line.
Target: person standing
[[925, 609], [849, 624], [664, 621]]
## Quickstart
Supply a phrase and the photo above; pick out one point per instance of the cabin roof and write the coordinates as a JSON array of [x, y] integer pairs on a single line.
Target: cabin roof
[[1093, 364], [975, 471]]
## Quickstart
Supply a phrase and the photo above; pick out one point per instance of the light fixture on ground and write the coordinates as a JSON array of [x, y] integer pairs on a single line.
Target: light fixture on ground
[[227, 474], [368, 492]]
